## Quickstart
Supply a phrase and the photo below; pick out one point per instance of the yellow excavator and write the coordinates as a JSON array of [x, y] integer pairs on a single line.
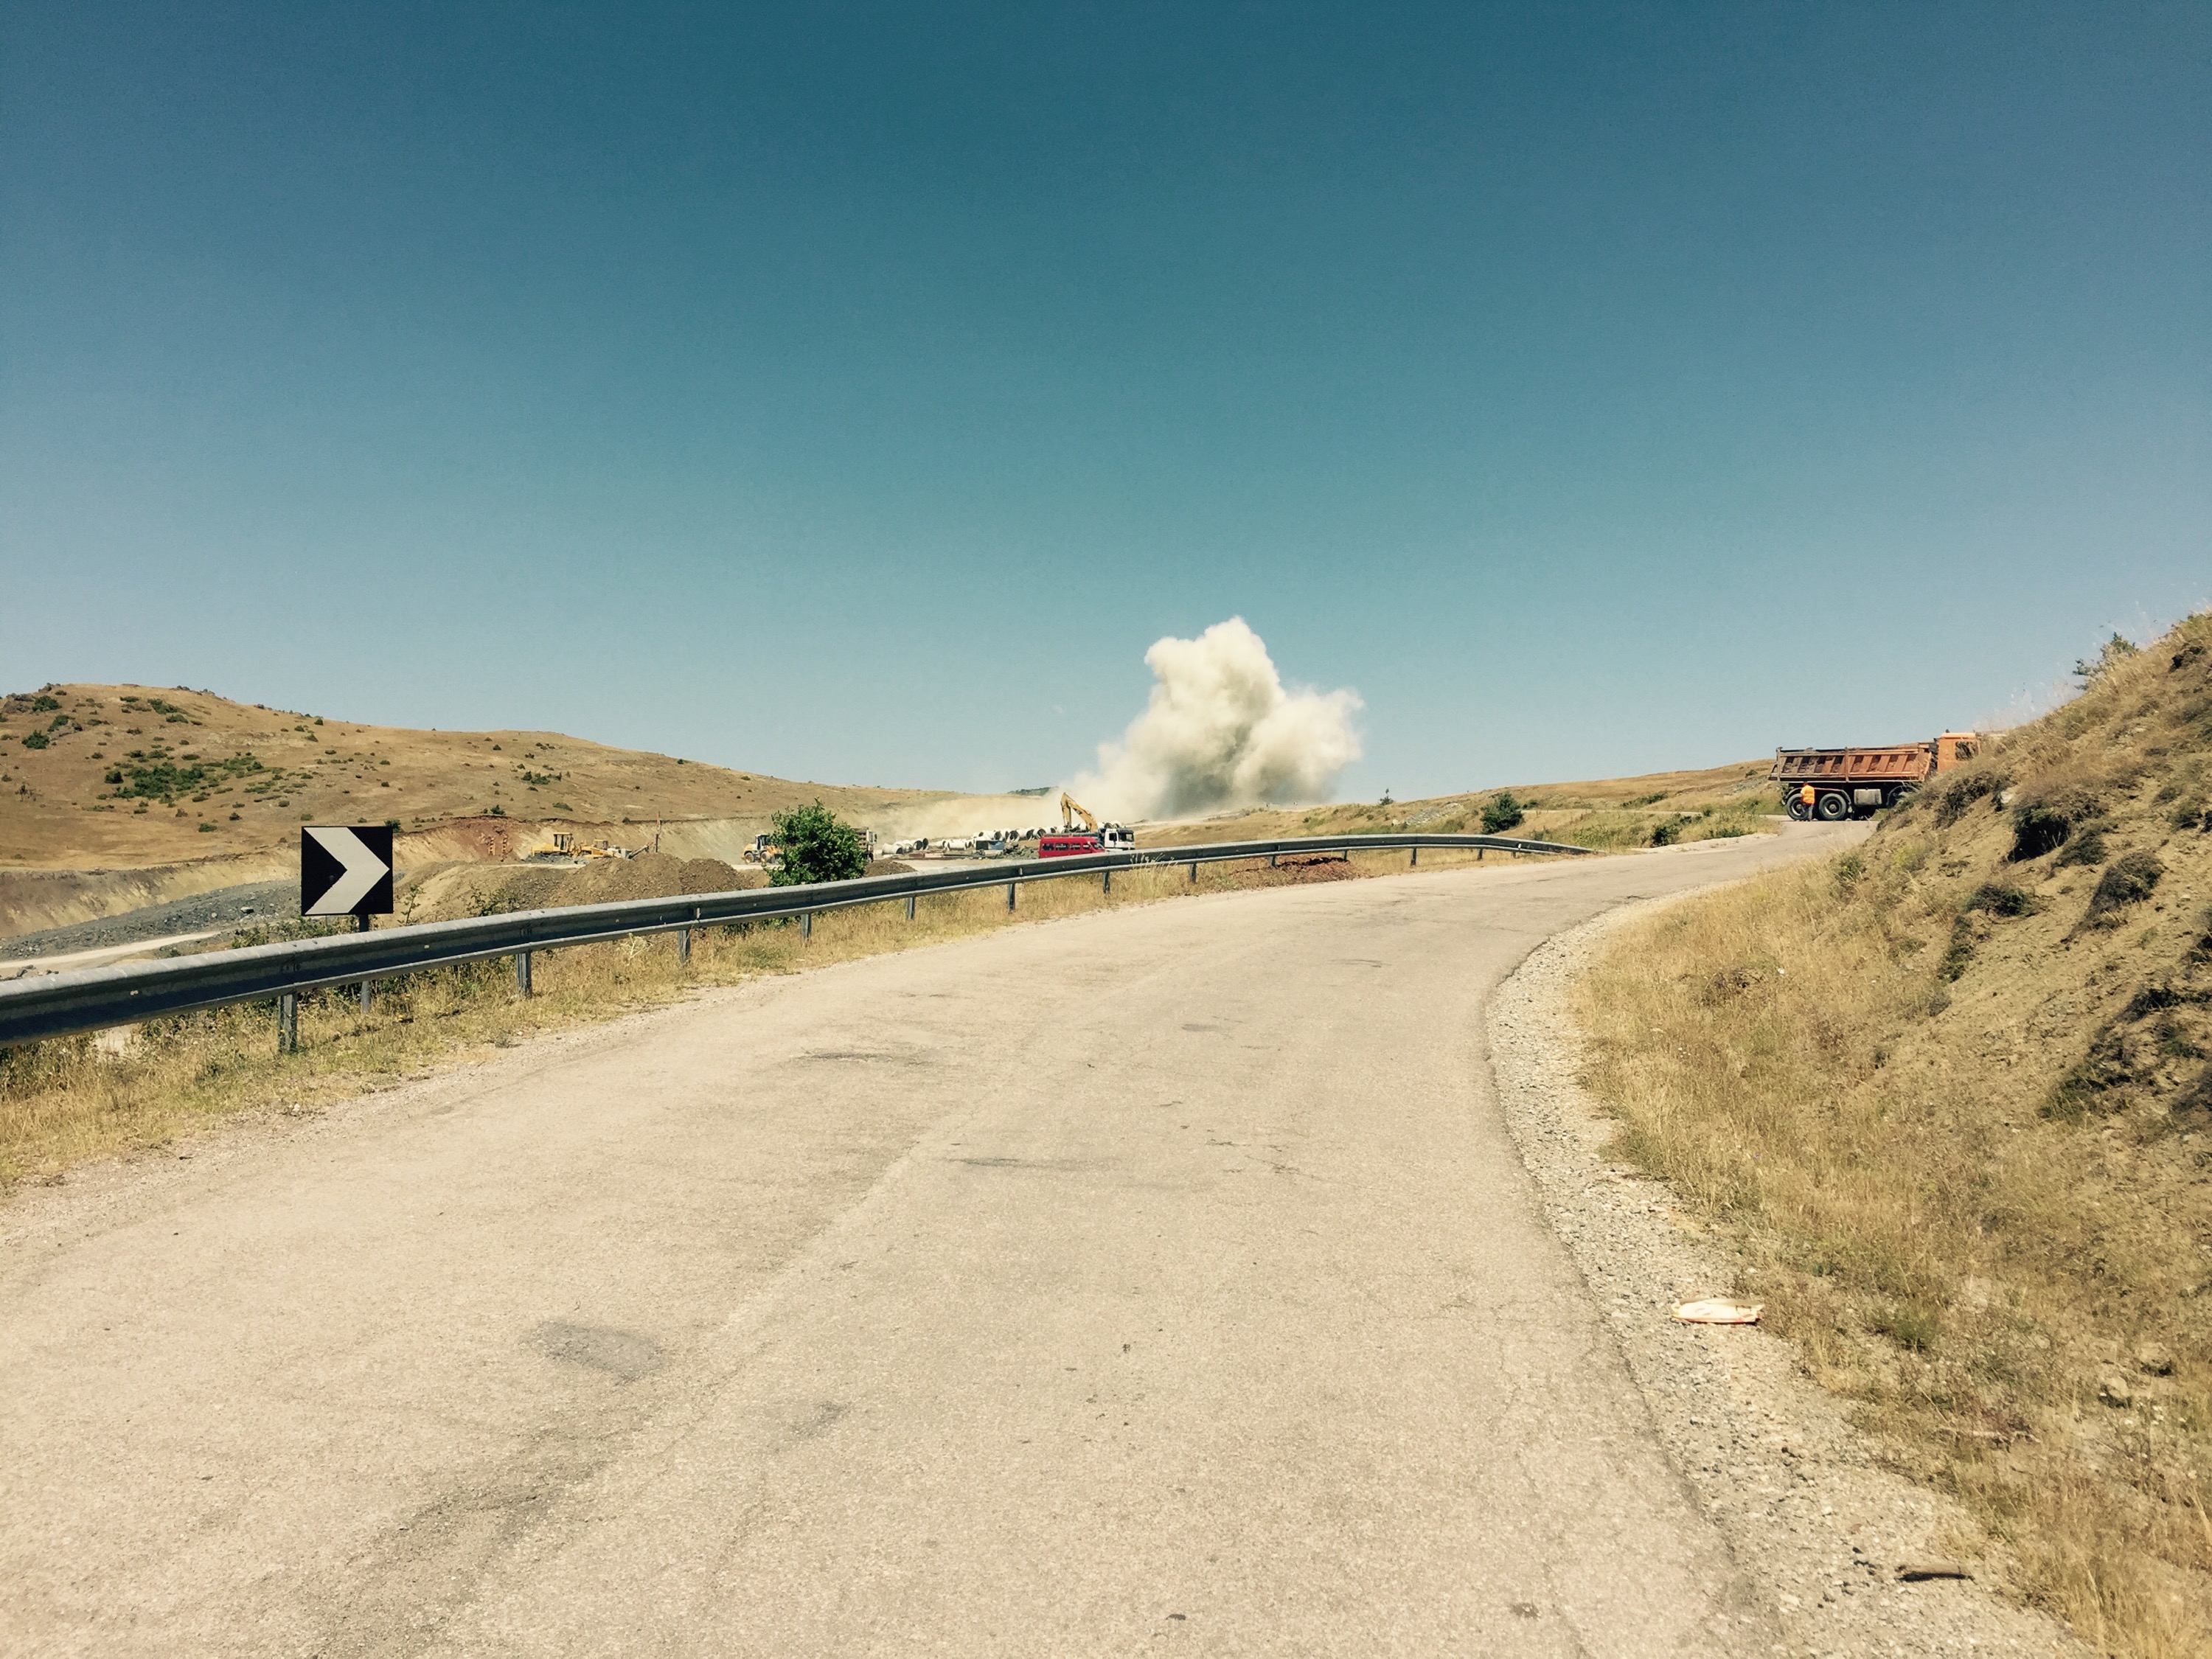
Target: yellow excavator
[[1093, 837]]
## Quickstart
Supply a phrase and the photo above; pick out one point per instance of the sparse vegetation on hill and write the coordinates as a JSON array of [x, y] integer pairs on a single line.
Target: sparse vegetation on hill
[[107, 776], [1606, 814], [1951, 1093]]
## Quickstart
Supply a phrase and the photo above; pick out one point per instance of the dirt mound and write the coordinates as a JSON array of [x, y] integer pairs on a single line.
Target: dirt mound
[[466, 890]]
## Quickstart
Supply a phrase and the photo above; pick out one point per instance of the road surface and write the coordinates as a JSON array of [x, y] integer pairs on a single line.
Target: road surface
[[1160, 1281]]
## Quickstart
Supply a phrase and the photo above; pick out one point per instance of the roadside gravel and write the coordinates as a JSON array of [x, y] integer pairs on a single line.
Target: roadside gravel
[[221, 907], [1794, 1489]]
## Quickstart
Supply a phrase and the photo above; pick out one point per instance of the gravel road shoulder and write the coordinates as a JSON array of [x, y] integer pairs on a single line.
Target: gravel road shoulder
[[219, 907], [1793, 1488]]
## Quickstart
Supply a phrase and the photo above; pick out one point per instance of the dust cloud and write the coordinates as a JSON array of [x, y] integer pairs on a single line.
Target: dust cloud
[[1221, 732]]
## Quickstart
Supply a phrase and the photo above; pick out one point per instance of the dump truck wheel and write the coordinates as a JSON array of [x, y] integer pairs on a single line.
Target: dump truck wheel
[[1800, 810], [1832, 807]]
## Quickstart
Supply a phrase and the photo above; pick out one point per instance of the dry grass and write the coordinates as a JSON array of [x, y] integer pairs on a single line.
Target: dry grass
[[247, 777], [1604, 814], [1959, 1121], [76, 1098]]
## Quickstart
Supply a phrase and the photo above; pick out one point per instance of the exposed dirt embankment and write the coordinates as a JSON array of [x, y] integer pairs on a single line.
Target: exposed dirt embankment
[[443, 892], [32, 900]]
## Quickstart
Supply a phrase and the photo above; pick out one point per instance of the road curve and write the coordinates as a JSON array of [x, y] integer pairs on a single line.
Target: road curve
[[1163, 1280]]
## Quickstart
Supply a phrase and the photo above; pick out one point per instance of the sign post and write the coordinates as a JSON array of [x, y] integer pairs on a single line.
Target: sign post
[[345, 870]]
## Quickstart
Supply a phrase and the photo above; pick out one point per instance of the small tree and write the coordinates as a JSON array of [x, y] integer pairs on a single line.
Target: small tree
[[1501, 812], [2115, 651], [818, 846]]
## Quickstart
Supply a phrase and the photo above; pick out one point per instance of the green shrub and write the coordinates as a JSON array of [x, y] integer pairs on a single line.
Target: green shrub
[[2114, 652], [1910, 1328], [2001, 898], [1962, 789], [818, 846], [2037, 829], [1501, 812], [2086, 848], [161, 779], [35, 740], [2129, 881]]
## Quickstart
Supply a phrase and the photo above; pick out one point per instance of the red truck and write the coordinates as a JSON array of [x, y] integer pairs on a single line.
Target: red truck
[[1067, 841], [1834, 784], [1073, 844]]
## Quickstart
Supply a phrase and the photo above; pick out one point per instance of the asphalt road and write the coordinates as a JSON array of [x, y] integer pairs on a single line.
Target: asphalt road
[[1160, 1281]]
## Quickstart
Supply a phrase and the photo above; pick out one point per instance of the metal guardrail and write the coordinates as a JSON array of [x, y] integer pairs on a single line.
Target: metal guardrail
[[60, 1005]]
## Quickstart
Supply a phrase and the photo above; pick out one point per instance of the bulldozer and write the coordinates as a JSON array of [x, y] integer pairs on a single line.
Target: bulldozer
[[565, 850]]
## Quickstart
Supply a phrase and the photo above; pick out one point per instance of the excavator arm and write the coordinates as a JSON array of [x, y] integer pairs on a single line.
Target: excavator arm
[[1072, 809]]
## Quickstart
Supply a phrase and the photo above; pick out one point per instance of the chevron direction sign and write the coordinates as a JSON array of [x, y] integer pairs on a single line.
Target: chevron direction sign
[[345, 871]]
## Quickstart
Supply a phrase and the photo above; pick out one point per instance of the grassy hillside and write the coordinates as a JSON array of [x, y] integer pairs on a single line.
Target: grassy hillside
[[110, 776], [1952, 1094], [1607, 812]]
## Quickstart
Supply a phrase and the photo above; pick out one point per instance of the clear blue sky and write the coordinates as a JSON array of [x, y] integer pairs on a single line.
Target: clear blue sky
[[854, 392]]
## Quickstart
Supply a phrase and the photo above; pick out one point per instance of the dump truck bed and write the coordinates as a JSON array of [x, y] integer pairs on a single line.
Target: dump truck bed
[[1901, 762]]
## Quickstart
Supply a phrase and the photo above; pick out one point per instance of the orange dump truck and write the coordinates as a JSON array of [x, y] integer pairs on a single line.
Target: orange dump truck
[[1832, 784]]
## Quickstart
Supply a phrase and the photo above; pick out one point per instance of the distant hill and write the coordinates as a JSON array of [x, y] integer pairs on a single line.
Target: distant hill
[[116, 776], [116, 797], [1603, 812]]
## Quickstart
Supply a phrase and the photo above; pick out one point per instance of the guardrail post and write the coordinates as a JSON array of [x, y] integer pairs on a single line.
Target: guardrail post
[[1010, 895], [1416, 857], [1271, 861], [1107, 884], [684, 945], [522, 973], [909, 906], [806, 924], [1193, 871], [366, 921], [288, 1023]]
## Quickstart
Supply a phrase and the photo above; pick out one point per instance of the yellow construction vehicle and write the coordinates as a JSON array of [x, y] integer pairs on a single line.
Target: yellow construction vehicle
[[1092, 837], [565, 850]]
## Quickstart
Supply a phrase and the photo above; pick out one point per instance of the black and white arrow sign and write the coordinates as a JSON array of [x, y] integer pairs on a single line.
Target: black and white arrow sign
[[346, 872]]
